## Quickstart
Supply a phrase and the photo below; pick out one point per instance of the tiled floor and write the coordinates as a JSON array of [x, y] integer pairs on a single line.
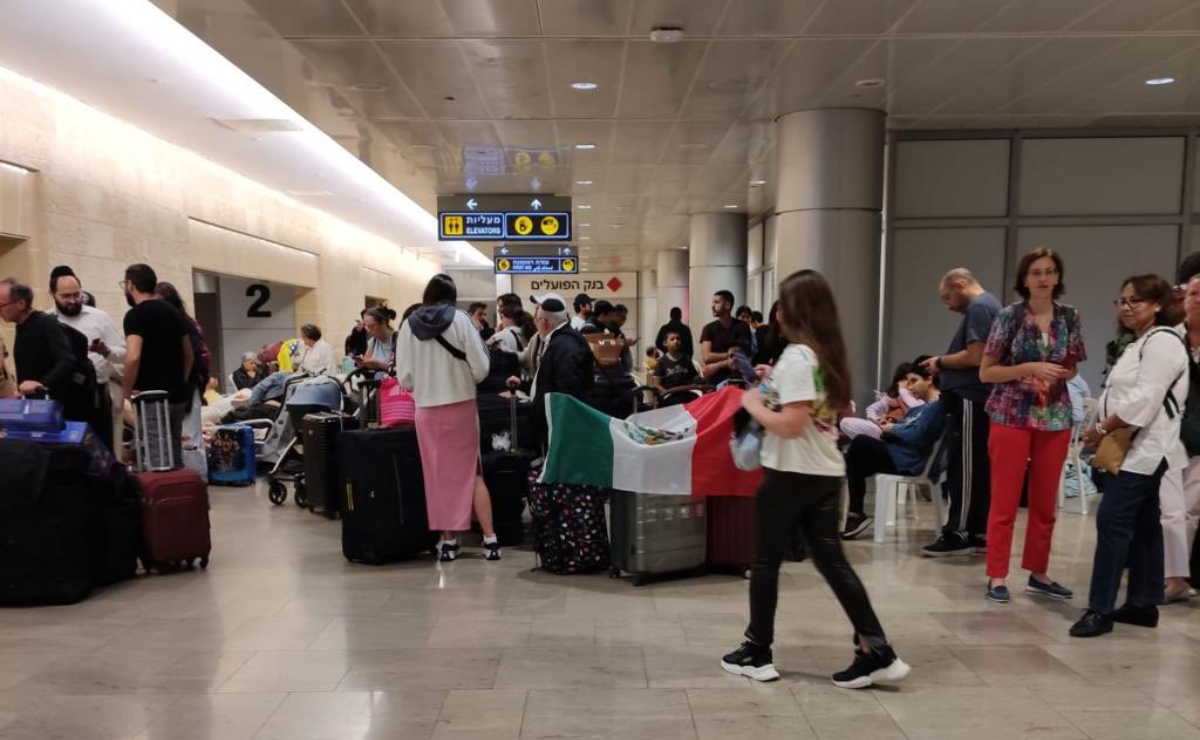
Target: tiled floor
[[282, 640]]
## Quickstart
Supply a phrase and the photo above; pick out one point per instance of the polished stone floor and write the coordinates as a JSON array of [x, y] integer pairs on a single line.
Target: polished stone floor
[[282, 640]]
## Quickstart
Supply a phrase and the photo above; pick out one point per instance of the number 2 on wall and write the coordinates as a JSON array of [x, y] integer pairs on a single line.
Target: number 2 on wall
[[263, 292]]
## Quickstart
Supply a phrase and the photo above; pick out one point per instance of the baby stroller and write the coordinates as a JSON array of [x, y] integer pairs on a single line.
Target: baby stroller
[[284, 449]]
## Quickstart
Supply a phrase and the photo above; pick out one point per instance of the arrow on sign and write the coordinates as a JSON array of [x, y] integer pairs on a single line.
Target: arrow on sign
[[566, 251], [472, 204], [503, 250], [536, 204]]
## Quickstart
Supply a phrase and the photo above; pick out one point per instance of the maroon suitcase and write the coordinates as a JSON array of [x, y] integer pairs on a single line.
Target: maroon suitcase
[[731, 533], [174, 520]]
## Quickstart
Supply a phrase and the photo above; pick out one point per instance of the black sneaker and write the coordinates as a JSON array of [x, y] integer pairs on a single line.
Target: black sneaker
[[1051, 589], [491, 550], [1092, 624], [978, 544], [949, 545], [878, 666], [751, 661], [1141, 616], [856, 524]]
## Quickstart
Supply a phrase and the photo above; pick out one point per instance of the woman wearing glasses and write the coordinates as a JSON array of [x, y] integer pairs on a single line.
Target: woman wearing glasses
[[1032, 351], [1145, 391]]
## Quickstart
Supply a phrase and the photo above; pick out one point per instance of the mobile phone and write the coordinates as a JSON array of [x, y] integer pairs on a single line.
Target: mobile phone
[[745, 367]]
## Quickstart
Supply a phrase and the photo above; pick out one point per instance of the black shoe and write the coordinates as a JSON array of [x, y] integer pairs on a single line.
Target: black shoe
[[1092, 624], [1051, 589], [751, 661], [978, 544], [1141, 616], [949, 545], [491, 550], [856, 524], [878, 666], [998, 594]]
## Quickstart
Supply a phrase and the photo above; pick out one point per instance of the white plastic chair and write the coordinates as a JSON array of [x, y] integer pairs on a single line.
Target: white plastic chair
[[1075, 456], [887, 493]]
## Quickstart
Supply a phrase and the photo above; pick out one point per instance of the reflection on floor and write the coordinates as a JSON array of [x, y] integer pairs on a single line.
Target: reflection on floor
[[282, 640]]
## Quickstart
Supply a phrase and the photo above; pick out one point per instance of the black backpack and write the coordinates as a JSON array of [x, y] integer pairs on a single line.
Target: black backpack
[[80, 394]]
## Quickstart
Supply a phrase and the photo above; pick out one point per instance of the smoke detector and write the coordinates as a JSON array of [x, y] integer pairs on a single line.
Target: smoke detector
[[666, 35]]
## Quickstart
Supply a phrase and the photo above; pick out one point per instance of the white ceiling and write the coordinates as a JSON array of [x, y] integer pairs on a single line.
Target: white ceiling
[[477, 96]]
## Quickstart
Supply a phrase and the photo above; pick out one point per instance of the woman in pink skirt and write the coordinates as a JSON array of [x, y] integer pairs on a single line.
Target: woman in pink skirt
[[440, 357]]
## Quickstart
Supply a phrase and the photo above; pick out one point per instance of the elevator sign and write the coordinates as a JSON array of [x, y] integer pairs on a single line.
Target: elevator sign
[[510, 218]]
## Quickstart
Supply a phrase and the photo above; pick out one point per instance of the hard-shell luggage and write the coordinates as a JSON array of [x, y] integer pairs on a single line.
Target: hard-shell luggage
[[495, 422], [506, 473], [321, 432], [731, 538], [115, 534], [657, 535], [44, 510], [153, 446], [570, 528], [231, 456], [384, 518], [175, 526], [30, 415]]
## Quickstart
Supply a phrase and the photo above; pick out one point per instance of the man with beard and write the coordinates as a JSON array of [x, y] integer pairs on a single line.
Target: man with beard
[[158, 348], [721, 339], [106, 345]]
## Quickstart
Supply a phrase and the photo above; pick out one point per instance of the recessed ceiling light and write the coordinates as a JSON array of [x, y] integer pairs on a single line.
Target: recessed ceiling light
[[584, 182], [666, 35], [585, 238], [871, 82], [684, 248], [585, 146], [584, 85], [757, 183], [585, 224], [731, 205], [617, 225], [1160, 81], [693, 146], [584, 207], [368, 87]]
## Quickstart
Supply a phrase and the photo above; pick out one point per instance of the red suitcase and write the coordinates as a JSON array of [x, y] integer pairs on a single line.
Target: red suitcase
[[174, 520], [731, 538]]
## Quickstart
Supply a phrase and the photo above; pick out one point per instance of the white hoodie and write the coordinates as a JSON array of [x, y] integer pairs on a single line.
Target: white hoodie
[[434, 375]]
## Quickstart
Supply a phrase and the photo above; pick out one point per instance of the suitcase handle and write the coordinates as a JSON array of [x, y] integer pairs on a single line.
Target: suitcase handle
[[512, 417]]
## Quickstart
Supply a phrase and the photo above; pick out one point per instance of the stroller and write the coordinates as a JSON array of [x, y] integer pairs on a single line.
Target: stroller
[[283, 448]]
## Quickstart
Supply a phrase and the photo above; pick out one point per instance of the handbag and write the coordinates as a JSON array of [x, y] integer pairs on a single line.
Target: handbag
[[396, 405], [745, 445], [1111, 452]]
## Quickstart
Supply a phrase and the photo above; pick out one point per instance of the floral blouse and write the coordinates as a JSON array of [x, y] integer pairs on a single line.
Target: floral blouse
[[1032, 403]]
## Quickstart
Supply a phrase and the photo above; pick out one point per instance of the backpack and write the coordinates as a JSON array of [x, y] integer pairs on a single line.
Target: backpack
[[80, 396]]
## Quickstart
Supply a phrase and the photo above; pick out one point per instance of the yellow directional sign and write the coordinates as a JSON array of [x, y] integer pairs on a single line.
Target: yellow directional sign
[[503, 265], [549, 225], [453, 225], [568, 265], [523, 225]]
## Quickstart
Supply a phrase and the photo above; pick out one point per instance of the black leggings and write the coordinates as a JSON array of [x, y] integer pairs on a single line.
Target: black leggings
[[811, 502], [865, 457]]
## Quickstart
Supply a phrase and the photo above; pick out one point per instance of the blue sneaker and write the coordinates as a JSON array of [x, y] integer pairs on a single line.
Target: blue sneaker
[[1051, 589], [998, 594]]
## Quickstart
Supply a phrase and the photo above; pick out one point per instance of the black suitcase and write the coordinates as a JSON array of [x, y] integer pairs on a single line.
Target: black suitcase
[[321, 432], [116, 527], [506, 473], [384, 518], [44, 511], [495, 420]]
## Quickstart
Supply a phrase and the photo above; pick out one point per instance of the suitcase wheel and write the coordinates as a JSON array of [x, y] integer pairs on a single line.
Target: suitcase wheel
[[276, 493], [300, 494]]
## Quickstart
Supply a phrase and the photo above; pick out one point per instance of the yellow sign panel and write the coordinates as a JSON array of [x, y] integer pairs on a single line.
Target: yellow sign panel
[[453, 225], [503, 265], [549, 225], [523, 225]]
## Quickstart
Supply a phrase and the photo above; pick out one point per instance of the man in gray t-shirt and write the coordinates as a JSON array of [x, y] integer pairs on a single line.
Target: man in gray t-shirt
[[968, 473]]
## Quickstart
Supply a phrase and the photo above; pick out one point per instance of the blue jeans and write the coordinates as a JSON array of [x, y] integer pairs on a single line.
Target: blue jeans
[[1128, 533]]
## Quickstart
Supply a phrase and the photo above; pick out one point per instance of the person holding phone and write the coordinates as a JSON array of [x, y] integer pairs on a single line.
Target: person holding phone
[[1033, 349]]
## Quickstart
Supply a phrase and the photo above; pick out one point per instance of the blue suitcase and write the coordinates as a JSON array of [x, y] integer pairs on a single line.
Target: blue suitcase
[[30, 415], [231, 456]]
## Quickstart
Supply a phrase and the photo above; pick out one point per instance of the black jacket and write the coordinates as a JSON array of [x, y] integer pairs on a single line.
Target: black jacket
[[567, 366], [685, 338]]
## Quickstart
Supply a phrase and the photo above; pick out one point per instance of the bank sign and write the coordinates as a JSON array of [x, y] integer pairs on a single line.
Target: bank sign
[[607, 286]]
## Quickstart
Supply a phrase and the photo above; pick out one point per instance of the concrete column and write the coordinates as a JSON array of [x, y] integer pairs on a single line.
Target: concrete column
[[672, 279], [829, 218], [716, 261], [647, 310]]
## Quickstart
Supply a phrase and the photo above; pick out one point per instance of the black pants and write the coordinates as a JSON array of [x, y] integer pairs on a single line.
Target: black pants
[[968, 470], [811, 503], [1128, 533], [865, 457]]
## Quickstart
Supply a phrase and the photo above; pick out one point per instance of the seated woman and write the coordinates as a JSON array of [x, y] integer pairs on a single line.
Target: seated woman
[[893, 405], [249, 374], [903, 448]]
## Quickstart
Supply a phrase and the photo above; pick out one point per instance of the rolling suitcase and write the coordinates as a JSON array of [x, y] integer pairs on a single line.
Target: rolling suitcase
[[657, 535], [115, 534], [321, 432], [44, 513], [231, 456], [506, 473], [175, 525], [569, 526], [731, 538], [383, 510]]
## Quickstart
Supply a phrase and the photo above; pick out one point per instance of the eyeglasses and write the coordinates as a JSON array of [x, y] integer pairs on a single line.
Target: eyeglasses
[[1131, 303], [122, 283]]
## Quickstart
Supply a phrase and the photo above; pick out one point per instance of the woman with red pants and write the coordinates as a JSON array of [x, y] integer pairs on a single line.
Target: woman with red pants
[[1031, 353]]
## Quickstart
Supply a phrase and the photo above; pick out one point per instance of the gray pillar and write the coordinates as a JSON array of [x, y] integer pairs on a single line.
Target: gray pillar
[[829, 218], [716, 261], [647, 310], [672, 278]]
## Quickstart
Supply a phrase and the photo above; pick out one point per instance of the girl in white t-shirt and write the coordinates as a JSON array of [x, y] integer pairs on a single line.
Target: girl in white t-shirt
[[798, 404]]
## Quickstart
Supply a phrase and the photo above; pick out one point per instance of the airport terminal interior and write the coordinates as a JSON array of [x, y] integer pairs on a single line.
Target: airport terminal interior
[[593, 176]]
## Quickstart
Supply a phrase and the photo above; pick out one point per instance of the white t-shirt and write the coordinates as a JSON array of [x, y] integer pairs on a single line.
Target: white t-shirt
[[797, 377]]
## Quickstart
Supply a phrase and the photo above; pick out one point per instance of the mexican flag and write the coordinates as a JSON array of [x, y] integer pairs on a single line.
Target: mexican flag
[[682, 450]]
